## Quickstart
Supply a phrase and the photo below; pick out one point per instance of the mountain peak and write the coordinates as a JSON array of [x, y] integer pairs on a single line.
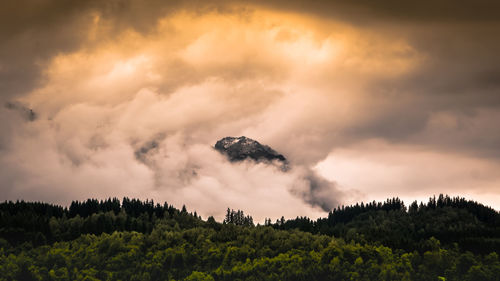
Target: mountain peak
[[241, 148]]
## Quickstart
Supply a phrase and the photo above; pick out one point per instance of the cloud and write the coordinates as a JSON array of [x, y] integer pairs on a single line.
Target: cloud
[[131, 95], [63, 164], [25, 112], [423, 11], [410, 172], [34, 32]]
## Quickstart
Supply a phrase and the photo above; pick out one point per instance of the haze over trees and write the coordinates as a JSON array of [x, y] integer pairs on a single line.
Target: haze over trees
[[444, 239]]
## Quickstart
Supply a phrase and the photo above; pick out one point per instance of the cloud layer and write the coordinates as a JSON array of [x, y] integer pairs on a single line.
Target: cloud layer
[[126, 98]]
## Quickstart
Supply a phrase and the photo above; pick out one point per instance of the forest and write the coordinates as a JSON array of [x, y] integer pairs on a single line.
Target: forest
[[444, 239]]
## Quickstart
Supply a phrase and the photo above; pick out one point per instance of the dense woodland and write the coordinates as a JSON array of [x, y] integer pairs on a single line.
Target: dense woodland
[[444, 239]]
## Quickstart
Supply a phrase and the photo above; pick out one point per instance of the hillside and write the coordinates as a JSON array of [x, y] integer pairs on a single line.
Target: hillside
[[445, 239]]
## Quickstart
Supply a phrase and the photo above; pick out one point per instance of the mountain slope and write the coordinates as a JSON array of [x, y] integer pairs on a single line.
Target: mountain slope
[[241, 148], [136, 240]]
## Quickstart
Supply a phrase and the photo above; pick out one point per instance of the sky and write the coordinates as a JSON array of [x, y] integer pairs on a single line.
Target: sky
[[368, 100]]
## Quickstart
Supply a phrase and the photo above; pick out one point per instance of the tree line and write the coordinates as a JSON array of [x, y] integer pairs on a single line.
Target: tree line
[[443, 239], [452, 220]]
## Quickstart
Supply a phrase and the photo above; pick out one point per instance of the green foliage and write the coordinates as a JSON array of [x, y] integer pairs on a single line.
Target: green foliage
[[238, 218], [258, 253], [472, 226], [40, 223], [199, 276], [136, 240]]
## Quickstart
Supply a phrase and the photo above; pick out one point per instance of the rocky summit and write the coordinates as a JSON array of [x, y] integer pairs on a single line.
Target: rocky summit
[[241, 148]]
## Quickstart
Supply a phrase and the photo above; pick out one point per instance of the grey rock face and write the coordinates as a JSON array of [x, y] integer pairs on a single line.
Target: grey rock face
[[241, 148]]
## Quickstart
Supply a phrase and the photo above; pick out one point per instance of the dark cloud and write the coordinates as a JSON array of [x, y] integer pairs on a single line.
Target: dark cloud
[[141, 154], [458, 70], [458, 75], [27, 113], [366, 10], [322, 193], [33, 32]]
